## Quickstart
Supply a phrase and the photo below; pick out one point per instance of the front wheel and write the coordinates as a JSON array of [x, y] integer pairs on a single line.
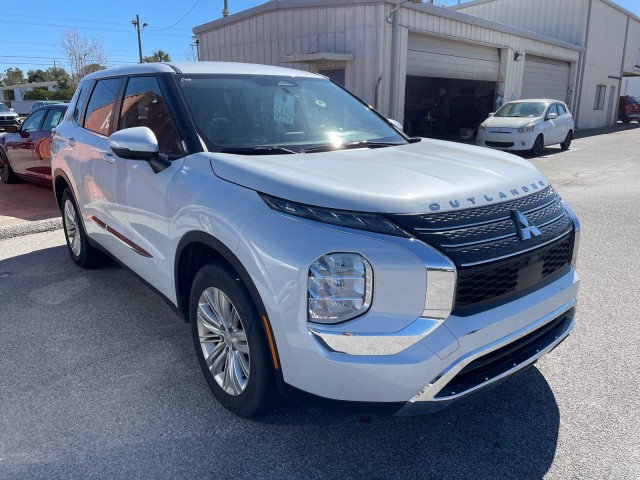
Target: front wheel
[[626, 119], [567, 141], [538, 145], [230, 341], [6, 172]]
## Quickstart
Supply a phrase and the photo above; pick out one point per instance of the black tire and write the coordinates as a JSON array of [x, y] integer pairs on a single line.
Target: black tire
[[6, 172], [567, 141], [626, 120], [538, 145], [258, 392], [82, 253]]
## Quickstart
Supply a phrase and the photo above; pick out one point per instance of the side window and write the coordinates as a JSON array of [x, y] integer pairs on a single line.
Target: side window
[[78, 107], [144, 106], [553, 109], [52, 119], [32, 123], [99, 114], [601, 91], [562, 110]]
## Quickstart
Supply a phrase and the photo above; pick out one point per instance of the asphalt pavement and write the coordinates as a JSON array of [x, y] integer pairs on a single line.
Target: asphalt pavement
[[98, 378]]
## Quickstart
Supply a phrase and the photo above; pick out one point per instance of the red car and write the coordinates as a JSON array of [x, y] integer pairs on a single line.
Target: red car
[[629, 109], [25, 150]]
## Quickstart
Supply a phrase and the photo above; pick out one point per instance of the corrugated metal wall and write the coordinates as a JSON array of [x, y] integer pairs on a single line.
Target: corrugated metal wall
[[363, 30], [603, 61], [562, 19], [632, 51], [267, 37]]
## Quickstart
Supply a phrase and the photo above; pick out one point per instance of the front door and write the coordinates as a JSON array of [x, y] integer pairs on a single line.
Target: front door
[[21, 145]]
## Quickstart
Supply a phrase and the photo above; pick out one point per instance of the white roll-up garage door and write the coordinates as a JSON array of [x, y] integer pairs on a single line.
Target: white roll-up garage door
[[545, 78], [436, 57]]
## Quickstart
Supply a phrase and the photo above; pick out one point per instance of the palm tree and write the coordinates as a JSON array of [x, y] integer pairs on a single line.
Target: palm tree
[[158, 56]]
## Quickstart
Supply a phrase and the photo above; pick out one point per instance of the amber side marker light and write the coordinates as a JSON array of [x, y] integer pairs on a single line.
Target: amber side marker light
[[272, 347]]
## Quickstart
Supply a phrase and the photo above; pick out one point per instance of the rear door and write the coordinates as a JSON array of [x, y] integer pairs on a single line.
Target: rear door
[[42, 147]]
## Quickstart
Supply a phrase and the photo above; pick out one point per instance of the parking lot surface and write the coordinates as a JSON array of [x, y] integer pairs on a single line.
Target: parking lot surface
[[98, 377]]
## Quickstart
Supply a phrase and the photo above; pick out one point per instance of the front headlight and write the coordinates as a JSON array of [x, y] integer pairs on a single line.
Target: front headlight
[[481, 127], [527, 128], [340, 287], [371, 222]]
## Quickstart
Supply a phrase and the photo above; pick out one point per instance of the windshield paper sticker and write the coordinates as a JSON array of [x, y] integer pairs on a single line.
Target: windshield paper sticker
[[283, 108]]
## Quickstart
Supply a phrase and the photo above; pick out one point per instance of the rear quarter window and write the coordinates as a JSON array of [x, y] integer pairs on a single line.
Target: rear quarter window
[[79, 101]]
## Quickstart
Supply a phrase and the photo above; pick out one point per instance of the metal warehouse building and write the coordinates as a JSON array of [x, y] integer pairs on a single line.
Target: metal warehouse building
[[397, 55]]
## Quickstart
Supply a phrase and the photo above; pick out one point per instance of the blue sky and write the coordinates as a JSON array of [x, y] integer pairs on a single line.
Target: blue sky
[[30, 32]]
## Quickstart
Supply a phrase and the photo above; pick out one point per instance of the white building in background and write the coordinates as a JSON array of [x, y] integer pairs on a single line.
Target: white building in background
[[13, 95], [397, 55], [609, 34]]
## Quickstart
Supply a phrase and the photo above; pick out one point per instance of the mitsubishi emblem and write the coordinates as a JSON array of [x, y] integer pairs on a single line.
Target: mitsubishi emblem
[[525, 229]]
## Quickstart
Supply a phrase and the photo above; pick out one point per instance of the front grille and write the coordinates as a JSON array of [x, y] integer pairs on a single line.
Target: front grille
[[493, 262], [498, 144]]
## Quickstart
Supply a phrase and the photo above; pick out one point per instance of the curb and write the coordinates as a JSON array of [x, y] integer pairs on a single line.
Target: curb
[[29, 228]]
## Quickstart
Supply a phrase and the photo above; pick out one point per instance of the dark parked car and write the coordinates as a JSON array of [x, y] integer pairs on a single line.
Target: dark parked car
[[25, 150], [629, 109], [44, 103]]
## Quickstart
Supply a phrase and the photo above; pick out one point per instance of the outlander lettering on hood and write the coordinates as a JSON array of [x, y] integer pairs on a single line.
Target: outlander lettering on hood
[[493, 197]]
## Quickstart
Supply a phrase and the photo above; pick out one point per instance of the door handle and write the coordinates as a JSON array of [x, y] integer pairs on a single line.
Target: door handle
[[71, 141], [109, 157]]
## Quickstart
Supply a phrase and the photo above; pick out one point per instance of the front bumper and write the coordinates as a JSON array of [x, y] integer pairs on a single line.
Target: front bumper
[[511, 140], [491, 365], [4, 122], [395, 353]]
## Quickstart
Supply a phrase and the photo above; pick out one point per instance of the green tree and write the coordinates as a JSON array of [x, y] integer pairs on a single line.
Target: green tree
[[36, 76], [12, 76], [91, 68], [60, 76], [157, 56]]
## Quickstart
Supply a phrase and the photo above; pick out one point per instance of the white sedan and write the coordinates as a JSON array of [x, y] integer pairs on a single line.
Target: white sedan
[[528, 125]]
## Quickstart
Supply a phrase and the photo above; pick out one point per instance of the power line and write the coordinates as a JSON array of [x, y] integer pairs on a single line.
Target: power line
[[181, 18], [92, 21], [98, 28]]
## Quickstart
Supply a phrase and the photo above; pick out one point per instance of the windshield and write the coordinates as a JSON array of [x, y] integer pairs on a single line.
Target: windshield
[[4, 108], [279, 114], [633, 100], [521, 109]]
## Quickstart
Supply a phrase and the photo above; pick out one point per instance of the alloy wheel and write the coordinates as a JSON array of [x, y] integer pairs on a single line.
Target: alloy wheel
[[71, 227], [223, 341]]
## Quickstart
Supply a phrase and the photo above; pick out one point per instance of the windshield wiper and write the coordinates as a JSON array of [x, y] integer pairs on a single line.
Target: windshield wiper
[[345, 146], [266, 150]]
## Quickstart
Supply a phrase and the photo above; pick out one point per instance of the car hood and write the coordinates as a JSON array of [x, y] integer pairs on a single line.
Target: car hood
[[428, 176], [509, 122]]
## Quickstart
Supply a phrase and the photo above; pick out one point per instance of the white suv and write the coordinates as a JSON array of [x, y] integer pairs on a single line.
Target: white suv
[[317, 251]]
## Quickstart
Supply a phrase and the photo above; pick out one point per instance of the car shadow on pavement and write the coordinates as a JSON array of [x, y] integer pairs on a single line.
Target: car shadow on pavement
[[100, 380]]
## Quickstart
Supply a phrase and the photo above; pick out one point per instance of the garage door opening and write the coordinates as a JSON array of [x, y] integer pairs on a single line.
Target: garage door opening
[[469, 103]]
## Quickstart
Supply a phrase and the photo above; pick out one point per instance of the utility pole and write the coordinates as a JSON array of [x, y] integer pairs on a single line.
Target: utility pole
[[225, 9], [136, 24]]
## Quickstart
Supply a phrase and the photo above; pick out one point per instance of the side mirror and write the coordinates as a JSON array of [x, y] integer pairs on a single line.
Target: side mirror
[[551, 116], [11, 129], [138, 143], [492, 114], [12, 110]]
